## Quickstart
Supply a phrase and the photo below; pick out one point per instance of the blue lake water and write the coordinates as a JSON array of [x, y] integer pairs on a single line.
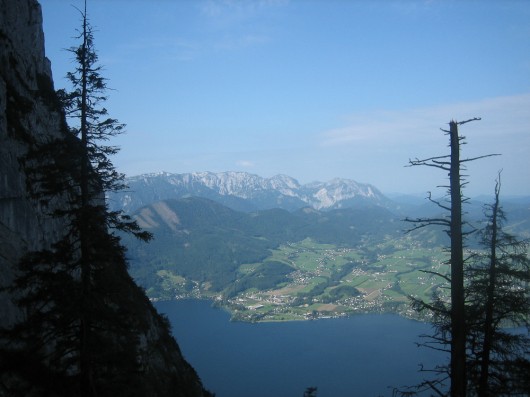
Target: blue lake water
[[362, 356]]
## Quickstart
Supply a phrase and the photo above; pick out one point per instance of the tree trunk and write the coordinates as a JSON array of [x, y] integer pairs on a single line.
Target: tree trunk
[[458, 340], [483, 388], [85, 360]]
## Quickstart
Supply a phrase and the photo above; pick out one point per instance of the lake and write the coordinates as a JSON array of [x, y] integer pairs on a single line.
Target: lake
[[363, 355]]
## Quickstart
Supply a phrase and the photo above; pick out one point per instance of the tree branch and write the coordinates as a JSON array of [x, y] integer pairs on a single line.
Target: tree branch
[[447, 278], [467, 121], [480, 157]]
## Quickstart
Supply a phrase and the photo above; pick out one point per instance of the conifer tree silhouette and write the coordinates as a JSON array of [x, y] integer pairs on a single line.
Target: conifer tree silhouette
[[497, 296], [449, 320], [79, 336]]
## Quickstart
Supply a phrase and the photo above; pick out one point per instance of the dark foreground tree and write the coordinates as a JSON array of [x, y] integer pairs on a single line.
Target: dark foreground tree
[[94, 127], [498, 297], [79, 335], [449, 335]]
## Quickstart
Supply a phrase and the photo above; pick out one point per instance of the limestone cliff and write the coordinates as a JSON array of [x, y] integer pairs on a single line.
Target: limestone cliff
[[29, 114]]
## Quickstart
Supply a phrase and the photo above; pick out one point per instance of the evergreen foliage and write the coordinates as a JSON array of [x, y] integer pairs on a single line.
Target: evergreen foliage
[[310, 392], [266, 275], [497, 302], [453, 331], [79, 335], [210, 241], [492, 294]]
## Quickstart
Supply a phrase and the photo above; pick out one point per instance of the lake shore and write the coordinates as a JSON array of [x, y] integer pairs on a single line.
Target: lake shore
[[364, 355]]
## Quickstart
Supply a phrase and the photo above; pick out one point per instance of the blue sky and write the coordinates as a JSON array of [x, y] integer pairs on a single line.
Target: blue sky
[[312, 89]]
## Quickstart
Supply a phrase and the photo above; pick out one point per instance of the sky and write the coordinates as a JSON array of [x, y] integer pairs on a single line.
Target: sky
[[314, 89]]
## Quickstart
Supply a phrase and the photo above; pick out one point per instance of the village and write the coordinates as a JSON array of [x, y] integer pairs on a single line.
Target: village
[[380, 286], [328, 281]]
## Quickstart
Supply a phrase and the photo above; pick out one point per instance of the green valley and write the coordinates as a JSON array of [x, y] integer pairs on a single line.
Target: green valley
[[305, 279], [335, 281], [276, 265]]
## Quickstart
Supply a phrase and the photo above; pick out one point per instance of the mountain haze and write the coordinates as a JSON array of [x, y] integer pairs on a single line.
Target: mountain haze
[[202, 240], [247, 192]]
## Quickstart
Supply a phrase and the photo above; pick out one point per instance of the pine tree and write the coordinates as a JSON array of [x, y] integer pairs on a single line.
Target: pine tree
[[94, 126], [498, 297], [78, 337]]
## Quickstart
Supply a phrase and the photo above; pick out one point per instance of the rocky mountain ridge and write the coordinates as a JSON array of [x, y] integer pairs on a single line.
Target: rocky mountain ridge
[[246, 192]]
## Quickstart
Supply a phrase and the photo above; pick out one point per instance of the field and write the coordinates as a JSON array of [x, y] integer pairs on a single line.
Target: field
[[327, 280]]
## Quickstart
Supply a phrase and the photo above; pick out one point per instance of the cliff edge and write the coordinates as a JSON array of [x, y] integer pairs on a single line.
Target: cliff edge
[[29, 114]]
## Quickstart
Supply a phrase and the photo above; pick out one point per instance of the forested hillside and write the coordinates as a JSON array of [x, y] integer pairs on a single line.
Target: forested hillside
[[354, 259], [207, 242]]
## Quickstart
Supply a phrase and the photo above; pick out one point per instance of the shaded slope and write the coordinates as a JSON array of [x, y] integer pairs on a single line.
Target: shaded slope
[[203, 241]]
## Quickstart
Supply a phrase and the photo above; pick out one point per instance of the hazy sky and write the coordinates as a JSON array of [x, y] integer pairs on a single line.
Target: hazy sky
[[311, 89]]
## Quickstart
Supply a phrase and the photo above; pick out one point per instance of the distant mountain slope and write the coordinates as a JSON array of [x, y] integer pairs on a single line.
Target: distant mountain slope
[[204, 241], [247, 192]]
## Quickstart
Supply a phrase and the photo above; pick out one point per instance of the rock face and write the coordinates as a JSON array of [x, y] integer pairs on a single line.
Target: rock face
[[25, 114], [30, 113], [247, 192]]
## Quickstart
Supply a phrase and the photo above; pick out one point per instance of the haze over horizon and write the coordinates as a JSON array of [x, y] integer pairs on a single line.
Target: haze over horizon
[[314, 90]]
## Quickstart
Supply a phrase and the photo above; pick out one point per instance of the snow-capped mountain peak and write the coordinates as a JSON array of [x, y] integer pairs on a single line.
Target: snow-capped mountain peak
[[241, 190]]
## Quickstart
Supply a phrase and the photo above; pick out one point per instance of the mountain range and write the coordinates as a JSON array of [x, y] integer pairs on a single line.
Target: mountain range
[[207, 225], [247, 192]]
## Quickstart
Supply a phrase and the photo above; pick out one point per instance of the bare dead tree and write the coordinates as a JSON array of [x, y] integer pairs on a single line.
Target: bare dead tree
[[455, 334]]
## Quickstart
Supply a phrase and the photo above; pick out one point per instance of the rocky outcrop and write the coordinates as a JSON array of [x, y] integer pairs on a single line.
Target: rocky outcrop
[[26, 114], [242, 191], [30, 114]]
